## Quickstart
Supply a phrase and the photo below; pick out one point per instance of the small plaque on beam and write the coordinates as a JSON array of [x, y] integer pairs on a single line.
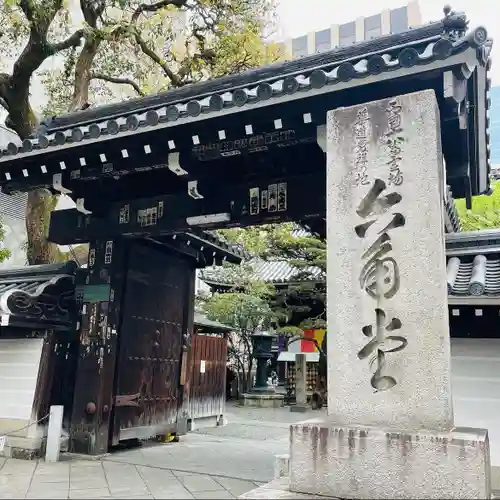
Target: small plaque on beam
[[96, 293]]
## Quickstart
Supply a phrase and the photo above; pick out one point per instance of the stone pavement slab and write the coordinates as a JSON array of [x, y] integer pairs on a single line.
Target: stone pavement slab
[[197, 482], [81, 479], [217, 462], [244, 448]]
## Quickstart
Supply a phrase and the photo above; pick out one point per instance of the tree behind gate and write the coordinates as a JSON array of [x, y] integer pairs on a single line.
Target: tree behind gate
[[99, 48]]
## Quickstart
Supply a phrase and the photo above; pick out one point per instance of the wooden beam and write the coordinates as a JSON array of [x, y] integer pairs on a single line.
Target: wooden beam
[[268, 201]]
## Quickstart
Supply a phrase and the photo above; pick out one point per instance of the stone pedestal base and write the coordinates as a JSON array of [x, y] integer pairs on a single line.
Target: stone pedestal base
[[356, 462], [344, 463], [262, 400]]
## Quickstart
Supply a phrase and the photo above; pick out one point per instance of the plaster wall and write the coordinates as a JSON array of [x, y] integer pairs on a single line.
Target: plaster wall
[[475, 378], [19, 366]]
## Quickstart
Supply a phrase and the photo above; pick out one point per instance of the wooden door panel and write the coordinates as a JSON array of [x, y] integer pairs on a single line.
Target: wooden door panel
[[147, 387]]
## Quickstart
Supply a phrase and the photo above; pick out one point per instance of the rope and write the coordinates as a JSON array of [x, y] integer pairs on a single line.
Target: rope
[[26, 426]]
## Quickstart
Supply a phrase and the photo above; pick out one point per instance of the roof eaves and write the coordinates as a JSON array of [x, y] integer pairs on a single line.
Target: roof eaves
[[270, 89]]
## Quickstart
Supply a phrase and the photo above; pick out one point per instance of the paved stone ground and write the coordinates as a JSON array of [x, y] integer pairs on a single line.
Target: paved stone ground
[[243, 449], [102, 479], [221, 462]]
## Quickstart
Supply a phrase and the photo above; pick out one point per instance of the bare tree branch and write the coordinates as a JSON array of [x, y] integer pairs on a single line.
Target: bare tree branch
[[92, 10], [176, 81], [28, 10], [37, 49], [74, 40], [156, 7], [118, 80]]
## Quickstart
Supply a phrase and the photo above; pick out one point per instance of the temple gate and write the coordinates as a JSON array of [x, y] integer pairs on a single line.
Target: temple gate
[[241, 150]]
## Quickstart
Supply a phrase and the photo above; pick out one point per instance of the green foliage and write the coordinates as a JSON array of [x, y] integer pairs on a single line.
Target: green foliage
[[4, 252], [246, 308], [299, 305], [294, 303], [154, 44], [485, 212]]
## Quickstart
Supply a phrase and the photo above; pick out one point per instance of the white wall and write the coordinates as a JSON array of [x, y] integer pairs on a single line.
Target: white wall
[[19, 365], [475, 377]]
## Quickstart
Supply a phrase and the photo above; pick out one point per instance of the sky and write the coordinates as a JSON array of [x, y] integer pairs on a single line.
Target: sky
[[297, 17]]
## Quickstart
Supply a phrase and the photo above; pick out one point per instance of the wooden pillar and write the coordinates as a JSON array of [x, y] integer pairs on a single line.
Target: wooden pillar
[[187, 354], [100, 315]]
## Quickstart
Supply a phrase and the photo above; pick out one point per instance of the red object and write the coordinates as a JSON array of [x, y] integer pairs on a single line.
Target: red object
[[307, 345]]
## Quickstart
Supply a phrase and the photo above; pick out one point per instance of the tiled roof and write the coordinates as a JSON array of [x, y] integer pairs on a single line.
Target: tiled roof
[[203, 322], [283, 272], [452, 219], [473, 263], [21, 289], [33, 279], [7, 136], [476, 277], [486, 242], [13, 205], [263, 86], [473, 266]]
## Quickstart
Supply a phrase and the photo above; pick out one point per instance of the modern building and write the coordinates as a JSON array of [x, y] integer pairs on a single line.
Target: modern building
[[389, 21], [494, 116], [13, 217]]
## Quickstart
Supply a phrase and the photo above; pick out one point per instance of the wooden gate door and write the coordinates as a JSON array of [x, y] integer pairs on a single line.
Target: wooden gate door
[[156, 297], [207, 384]]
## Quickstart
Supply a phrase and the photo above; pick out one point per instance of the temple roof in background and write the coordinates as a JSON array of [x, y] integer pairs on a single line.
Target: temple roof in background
[[473, 268]]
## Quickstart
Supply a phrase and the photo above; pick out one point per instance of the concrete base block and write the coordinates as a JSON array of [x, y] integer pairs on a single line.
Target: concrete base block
[[277, 489], [367, 462], [182, 424], [257, 400], [495, 478], [24, 448], [202, 422]]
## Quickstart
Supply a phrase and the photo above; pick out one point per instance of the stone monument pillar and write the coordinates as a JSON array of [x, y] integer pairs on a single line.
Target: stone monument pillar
[[390, 430], [300, 383]]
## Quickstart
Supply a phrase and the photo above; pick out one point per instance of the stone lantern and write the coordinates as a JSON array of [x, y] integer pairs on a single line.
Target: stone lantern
[[262, 395], [262, 352]]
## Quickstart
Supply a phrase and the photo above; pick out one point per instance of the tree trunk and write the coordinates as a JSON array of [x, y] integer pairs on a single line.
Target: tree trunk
[[39, 249], [23, 121], [40, 203], [83, 69]]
